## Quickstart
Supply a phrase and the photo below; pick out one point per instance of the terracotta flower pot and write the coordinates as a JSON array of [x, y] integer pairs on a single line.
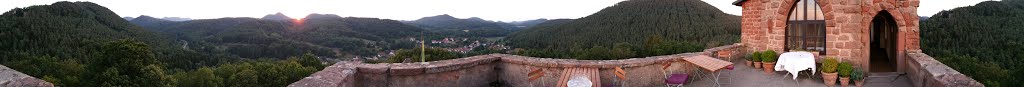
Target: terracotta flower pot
[[750, 63], [829, 78], [859, 83], [844, 81], [757, 65], [769, 67]]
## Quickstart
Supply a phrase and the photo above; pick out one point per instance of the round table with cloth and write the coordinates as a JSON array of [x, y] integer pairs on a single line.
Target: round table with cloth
[[794, 62]]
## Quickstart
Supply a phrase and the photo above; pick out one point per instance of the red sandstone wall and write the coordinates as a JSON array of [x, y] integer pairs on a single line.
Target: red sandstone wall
[[847, 26]]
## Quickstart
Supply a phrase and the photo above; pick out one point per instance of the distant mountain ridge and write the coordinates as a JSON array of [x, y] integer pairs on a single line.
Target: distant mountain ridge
[[76, 30], [529, 23], [277, 16], [322, 34], [176, 18], [470, 27], [630, 22]]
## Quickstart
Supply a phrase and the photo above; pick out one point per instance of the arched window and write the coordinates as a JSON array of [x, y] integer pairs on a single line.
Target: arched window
[[805, 28]]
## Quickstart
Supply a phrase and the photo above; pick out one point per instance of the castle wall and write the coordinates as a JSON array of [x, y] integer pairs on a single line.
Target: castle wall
[[847, 30]]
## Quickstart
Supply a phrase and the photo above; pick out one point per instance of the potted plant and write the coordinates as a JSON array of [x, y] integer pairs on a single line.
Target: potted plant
[[750, 59], [844, 73], [828, 71], [768, 58], [757, 59], [858, 77]]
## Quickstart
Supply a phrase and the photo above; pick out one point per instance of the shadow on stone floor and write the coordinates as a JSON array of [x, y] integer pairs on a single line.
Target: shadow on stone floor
[[747, 76]]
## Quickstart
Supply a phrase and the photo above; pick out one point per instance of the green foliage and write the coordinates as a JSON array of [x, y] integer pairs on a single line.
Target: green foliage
[[690, 22], [417, 55], [126, 63], [309, 60], [199, 78], [245, 78], [982, 41], [845, 69], [82, 44], [483, 51], [749, 57], [652, 47], [857, 74], [769, 56], [988, 73], [472, 27], [757, 56], [319, 34], [829, 65]]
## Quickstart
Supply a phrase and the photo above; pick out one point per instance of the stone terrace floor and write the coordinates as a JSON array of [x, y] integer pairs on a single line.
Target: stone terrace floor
[[747, 76]]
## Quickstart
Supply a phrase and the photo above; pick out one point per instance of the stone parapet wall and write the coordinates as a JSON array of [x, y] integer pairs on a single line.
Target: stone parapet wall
[[511, 71], [640, 72], [341, 74], [502, 70], [473, 71], [925, 71], [12, 78]]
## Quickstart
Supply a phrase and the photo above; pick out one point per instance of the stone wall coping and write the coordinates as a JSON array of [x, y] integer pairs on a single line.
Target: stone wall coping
[[942, 74], [401, 69], [344, 73], [563, 63], [379, 68], [12, 78], [337, 75]]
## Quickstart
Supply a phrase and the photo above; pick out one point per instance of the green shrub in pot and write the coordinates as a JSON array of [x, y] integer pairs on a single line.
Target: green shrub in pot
[[844, 69], [756, 57], [857, 74], [769, 56], [829, 65]]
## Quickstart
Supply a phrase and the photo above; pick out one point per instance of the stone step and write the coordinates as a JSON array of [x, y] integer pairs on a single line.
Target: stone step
[[883, 77]]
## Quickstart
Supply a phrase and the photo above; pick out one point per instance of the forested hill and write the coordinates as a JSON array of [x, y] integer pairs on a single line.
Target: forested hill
[[149, 22], [633, 21], [82, 44], [274, 37], [529, 23], [984, 41], [471, 27], [75, 30], [277, 16]]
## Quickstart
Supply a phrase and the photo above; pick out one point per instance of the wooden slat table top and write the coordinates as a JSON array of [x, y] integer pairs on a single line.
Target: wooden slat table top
[[708, 63], [591, 73]]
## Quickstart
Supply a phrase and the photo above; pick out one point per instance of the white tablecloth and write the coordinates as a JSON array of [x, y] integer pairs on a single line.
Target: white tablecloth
[[580, 81], [794, 62]]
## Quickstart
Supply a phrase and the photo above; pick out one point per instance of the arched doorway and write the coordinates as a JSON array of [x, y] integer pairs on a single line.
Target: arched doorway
[[883, 43]]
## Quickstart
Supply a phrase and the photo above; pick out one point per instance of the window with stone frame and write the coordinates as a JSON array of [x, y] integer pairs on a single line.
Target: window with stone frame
[[805, 28]]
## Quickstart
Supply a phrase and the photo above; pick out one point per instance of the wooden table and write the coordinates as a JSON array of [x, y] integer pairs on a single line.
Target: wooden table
[[568, 73], [710, 64]]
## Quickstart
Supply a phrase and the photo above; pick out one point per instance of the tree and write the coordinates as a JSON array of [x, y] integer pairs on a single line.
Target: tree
[[202, 77], [245, 78], [310, 60], [431, 54], [127, 63]]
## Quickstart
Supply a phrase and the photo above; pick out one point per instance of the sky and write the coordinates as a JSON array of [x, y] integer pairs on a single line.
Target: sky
[[497, 10]]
